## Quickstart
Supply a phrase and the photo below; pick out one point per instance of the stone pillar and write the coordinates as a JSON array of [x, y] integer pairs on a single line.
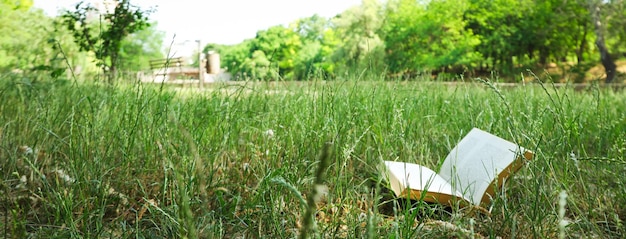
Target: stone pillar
[[214, 62]]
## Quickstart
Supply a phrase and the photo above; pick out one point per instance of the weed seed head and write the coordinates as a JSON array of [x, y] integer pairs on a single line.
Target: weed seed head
[[26, 150]]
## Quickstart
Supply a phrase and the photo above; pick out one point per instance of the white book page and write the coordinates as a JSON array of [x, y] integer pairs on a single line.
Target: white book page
[[476, 161], [403, 176]]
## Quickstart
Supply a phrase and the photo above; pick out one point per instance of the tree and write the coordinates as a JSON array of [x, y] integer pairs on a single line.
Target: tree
[[311, 28], [20, 32], [257, 67], [104, 36], [314, 59], [280, 45], [361, 46], [22, 5], [615, 23], [605, 57], [139, 48], [28, 43], [498, 25], [429, 37], [233, 57]]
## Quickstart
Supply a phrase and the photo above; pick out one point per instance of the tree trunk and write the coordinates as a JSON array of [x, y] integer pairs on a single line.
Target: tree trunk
[[583, 43], [543, 56], [112, 74], [112, 71], [609, 65]]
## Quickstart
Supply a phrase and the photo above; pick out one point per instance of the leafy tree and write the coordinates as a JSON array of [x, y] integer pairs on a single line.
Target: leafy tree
[[583, 30], [318, 44], [257, 67], [28, 42], [298, 52], [311, 29], [280, 45], [22, 5], [616, 25], [557, 29], [325, 62], [104, 36], [595, 8], [20, 32], [454, 36], [497, 23], [358, 27], [307, 59], [234, 57], [525, 32], [429, 37], [139, 48]]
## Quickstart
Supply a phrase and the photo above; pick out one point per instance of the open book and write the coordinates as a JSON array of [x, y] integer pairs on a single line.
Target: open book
[[471, 173]]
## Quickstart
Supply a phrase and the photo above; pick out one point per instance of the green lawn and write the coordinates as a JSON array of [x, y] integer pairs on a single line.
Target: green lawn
[[238, 160]]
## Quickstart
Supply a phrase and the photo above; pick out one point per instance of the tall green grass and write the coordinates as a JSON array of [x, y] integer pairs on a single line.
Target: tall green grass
[[239, 160]]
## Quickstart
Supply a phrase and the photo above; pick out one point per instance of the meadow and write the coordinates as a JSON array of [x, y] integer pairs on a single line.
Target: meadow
[[86, 160]]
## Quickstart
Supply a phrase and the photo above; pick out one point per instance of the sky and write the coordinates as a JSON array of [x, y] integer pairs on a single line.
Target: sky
[[220, 21]]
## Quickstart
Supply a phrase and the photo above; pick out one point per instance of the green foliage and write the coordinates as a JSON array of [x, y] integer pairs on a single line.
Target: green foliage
[[22, 5], [329, 42], [312, 47], [552, 26], [29, 43], [615, 25], [318, 44], [497, 25], [232, 56], [257, 67], [429, 37], [361, 47], [21, 32], [449, 37], [311, 29], [280, 45], [104, 36], [528, 32], [308, 60], [139, 48]]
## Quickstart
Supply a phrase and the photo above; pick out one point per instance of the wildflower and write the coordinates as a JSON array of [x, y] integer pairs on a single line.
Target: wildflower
[[362, 216], [269, 133], [23, 182], [322, 191], [121, 196], [246, 166], [573, 157], [62, 175], [26, 150]]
